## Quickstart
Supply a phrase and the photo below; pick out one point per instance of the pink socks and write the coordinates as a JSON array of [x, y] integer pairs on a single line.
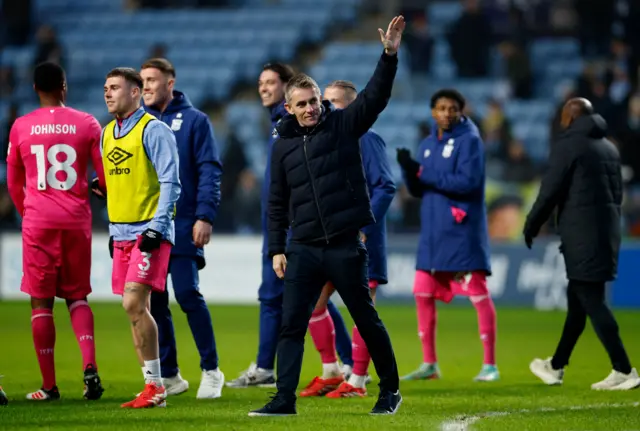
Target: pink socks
[[426, 310], [360, 354], [82, 323], [44, 340], [487, 327], [324, 335]]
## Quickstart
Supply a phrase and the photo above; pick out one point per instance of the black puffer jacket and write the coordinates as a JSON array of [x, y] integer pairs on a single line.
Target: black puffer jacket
[[318, 185], [584, 181]]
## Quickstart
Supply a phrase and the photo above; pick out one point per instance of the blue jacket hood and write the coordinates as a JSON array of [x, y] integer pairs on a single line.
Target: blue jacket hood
[[180, 102], [277, 111]]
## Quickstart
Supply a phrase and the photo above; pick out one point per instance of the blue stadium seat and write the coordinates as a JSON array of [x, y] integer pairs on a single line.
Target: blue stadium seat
[[395, 137], [246, 112], [555, 48], [530, 110], [441, 14], [535, 137]]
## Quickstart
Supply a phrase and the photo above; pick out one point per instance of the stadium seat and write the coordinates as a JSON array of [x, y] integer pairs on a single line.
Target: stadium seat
[[441, 14]]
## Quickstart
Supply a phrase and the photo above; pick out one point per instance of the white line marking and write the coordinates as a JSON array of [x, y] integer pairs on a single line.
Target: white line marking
[[464, 422]]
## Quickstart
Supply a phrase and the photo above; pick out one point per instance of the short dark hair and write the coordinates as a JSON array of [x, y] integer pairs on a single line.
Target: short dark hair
[[448, 93], [129, 74], [48, 77], [284, 71], [162, 64]]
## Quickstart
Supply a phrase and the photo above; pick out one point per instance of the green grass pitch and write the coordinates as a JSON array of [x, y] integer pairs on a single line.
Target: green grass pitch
[[522, 335]]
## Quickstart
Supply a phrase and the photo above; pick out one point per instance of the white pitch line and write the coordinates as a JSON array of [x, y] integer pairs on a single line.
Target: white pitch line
[[464, 422]]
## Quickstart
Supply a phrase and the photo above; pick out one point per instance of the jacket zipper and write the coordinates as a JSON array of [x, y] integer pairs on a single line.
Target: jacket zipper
[[313, 187]]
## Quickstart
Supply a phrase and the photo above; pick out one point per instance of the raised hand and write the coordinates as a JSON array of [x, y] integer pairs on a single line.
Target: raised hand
[[391, 39]]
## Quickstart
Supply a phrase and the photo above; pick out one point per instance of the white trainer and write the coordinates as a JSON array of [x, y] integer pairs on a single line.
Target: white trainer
[[211, 384], [617, 381], [544, 371], [254, 376], [175, 385]]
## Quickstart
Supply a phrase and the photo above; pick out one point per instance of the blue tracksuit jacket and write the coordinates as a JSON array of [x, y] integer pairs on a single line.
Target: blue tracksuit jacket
[[200, 171], [452, 175], [381, 191]]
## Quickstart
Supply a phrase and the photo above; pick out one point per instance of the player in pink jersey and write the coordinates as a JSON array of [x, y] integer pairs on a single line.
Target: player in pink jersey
[[47, 161]]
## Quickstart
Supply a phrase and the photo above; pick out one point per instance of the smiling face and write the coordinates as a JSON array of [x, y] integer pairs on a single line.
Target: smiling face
[[270, 88], [120, 96], [306, 105], [158, 87]]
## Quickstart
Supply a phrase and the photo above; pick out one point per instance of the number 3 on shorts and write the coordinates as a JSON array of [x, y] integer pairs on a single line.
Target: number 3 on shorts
[[146, 263]]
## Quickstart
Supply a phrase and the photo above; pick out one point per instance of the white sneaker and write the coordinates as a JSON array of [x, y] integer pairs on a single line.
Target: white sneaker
[[545, 372], [44, 395], [617, 381], [211, 384], [175, 385], [254, 376]]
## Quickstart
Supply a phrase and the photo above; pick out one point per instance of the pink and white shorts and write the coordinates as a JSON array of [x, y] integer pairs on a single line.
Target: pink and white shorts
[[444, 286]]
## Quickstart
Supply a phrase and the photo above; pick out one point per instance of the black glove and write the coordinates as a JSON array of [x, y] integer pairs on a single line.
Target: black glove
[[95, 188], [528, 239], [410, 166], [150, 240], [111, 247]]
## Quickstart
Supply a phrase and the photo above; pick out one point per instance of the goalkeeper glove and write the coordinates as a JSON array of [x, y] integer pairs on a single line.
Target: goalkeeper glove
[[97, 191], [410, 166], [149, 240]]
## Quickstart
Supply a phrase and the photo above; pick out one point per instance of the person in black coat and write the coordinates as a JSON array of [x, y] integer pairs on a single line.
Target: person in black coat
[[584, 182], [318, 189]]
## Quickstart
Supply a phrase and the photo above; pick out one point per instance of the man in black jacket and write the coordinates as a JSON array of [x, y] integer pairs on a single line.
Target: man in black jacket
[[318, 188], [584, 182]]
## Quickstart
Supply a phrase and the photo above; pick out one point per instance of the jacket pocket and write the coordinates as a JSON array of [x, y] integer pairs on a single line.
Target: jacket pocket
[[458, 212]]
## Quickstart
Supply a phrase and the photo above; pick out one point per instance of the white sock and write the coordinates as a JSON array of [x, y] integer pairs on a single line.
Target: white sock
[[152, 372], [331, 370], [144, 373], [347, 369], [357, 381]]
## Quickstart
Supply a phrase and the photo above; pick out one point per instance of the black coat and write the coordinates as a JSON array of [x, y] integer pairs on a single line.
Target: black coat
[[584, 181], [318, 186]]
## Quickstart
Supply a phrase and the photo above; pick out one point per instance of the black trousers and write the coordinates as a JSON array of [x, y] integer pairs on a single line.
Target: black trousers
[[344, 262], [588, 299]]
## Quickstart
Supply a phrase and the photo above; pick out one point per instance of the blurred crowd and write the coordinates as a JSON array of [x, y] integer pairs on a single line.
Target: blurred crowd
[[610, 46]]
